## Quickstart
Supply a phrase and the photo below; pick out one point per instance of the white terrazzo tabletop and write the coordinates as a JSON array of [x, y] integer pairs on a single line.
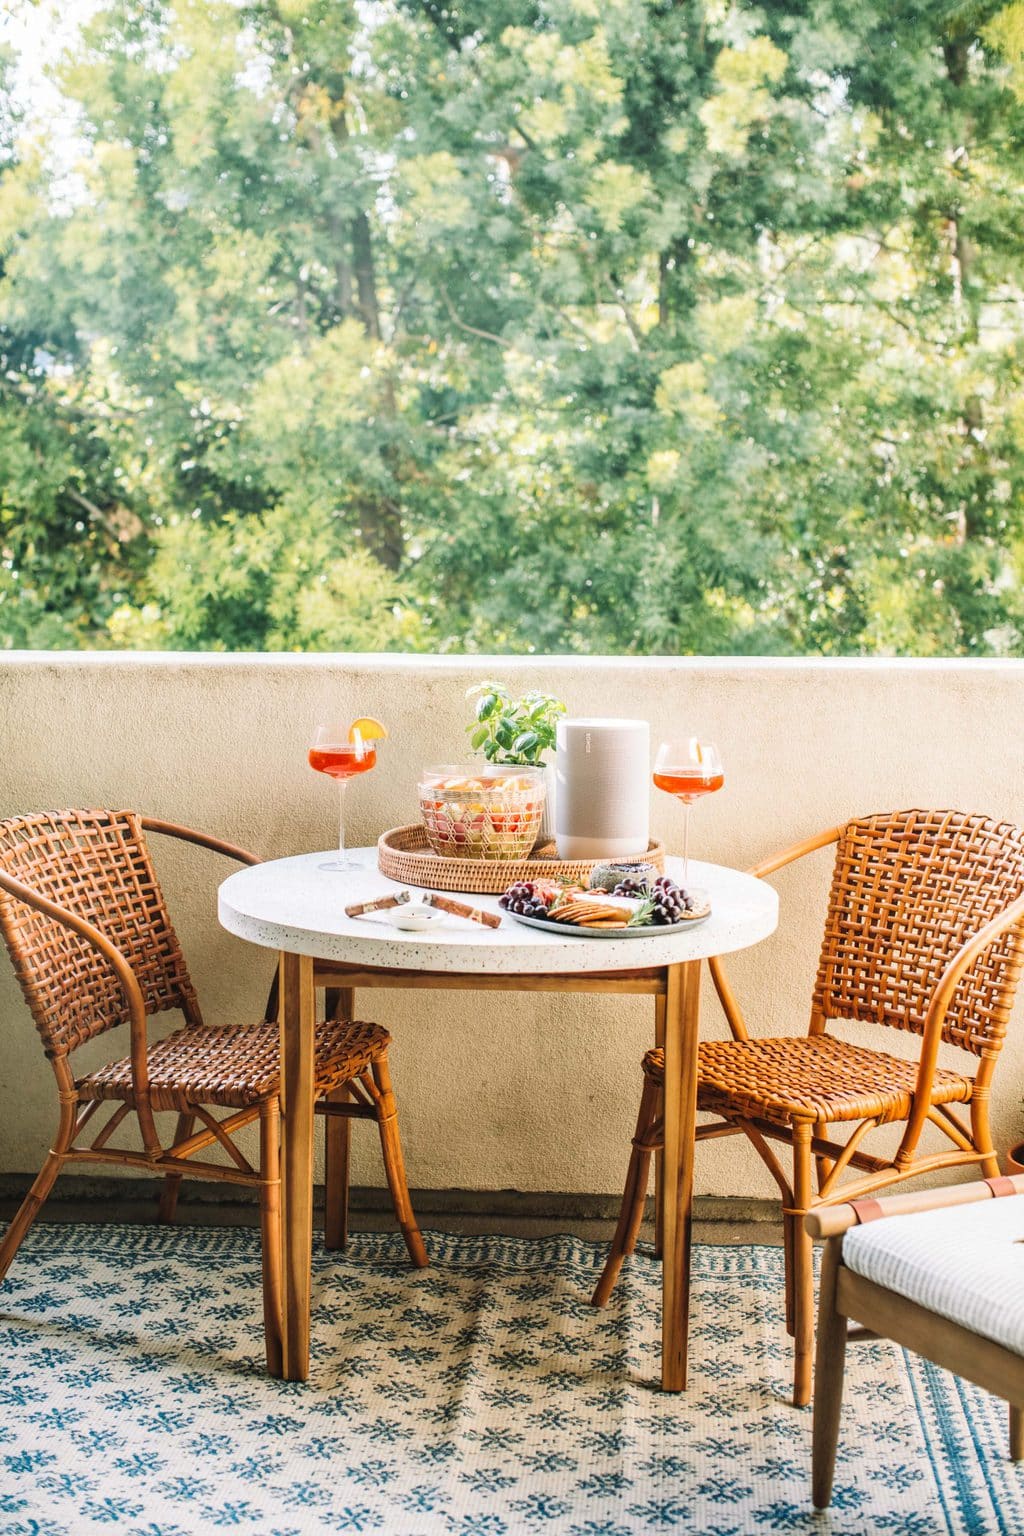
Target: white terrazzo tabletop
[[294, 905]]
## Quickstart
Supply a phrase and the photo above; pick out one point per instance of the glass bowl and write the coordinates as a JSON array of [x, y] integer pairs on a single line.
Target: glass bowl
[[482, 812]]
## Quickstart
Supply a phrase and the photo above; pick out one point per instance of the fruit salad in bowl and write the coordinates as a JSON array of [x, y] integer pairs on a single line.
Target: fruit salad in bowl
[[482, 812]]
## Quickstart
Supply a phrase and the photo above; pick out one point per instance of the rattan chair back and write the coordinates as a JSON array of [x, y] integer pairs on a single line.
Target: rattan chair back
[[908, 890], [96, 865]]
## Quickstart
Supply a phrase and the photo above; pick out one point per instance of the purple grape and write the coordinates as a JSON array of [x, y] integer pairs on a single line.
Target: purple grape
[[517, 895]]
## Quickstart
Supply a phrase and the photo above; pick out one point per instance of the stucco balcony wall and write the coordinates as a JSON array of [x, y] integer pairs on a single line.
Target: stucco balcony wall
[[515, 1090]]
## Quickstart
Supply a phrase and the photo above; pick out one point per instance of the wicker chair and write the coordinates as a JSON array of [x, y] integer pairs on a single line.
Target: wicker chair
[[924, 933], [91, 940]]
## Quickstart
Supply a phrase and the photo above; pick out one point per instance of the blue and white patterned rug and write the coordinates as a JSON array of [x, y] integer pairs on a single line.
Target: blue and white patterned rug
[[480, 1397]]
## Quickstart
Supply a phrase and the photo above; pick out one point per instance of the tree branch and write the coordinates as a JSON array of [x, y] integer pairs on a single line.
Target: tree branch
[[115, 536], [473, 330], [399, 306], [597, 276], [85, 504], [575, 325], [636, 334]]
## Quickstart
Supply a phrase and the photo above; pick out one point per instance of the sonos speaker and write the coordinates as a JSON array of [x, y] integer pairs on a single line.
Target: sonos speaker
[[602, 788]]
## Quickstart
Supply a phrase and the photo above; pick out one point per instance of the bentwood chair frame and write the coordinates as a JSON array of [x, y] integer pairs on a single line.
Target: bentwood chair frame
[[879, 1313], [902, 947], [79, 983]]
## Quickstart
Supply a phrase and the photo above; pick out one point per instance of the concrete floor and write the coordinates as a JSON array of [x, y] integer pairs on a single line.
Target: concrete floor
[[464, 1211]]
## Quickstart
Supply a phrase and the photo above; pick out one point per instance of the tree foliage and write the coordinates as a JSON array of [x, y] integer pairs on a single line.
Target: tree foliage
[[517, 325]]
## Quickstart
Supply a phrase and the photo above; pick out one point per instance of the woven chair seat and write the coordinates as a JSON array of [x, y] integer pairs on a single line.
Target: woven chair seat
[[817, 1078], [237, 1066]]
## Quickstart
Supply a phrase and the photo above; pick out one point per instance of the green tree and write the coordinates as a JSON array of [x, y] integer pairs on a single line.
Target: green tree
[[70, 546], [633, 327]]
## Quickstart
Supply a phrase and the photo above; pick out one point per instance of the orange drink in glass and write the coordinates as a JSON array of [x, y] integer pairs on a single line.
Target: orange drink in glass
[[688, 768], [342, 753]]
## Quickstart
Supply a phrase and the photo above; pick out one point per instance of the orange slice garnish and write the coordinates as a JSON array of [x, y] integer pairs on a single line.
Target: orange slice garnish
[[366, 728]]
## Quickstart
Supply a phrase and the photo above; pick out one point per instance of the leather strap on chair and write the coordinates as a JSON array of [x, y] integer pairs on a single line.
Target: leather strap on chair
[[1002, 1185], [867, 1210]]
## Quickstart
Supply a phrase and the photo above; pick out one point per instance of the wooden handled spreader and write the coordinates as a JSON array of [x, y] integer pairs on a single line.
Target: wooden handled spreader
[[380, 905], [429, 899], [460, 909]]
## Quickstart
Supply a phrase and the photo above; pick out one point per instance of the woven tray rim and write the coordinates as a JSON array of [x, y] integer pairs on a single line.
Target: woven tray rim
[[423, 867]]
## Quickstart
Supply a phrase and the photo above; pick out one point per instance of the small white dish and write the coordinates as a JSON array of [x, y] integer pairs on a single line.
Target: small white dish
[[414, 917]]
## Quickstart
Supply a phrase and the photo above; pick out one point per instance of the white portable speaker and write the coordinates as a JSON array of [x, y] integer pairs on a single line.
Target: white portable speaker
[[602, 788]]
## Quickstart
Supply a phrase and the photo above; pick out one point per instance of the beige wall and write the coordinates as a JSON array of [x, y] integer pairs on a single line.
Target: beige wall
[[514, 1091]]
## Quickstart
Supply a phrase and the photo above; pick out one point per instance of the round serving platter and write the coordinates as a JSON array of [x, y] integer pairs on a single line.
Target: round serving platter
[[650, 930]]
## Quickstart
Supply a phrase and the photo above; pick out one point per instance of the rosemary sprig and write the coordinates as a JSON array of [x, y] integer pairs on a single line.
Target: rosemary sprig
[[641, 918]]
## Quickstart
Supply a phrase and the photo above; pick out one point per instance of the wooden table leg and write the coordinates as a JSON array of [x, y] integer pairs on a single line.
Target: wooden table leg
[[659, 1156], [297, 1033], [682, 1017]]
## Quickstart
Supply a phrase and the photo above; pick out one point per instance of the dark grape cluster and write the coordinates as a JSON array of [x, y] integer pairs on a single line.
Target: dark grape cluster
[[523, 898], [670, 902]]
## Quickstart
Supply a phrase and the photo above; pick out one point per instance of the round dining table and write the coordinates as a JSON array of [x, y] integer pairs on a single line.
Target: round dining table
[[297, 908]]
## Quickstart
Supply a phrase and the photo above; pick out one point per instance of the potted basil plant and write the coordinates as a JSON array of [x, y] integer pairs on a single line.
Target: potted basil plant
[[517, 732]]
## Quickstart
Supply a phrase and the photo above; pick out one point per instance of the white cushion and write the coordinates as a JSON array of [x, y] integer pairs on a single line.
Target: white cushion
[[965, 1263]]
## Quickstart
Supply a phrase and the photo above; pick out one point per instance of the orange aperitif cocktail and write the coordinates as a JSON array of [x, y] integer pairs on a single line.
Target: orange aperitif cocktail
[[688, 768], [341, 753], [686, 784], [342, 760]]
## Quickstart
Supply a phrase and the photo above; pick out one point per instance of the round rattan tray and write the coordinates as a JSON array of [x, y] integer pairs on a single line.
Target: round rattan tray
[[404, 854]]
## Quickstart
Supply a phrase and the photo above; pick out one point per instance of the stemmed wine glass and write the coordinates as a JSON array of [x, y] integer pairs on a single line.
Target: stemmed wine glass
[[341, 752], [688, 768]]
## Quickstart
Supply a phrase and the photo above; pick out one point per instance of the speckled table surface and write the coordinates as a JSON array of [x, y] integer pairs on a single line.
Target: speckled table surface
[[294, 905]]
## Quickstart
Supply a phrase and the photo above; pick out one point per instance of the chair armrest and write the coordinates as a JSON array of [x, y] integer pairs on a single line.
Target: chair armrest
[[935, 1018], [723, 986], [727, 997], [795, 851], [832, 1220], [230, 851], [129, 986], [201, 839]]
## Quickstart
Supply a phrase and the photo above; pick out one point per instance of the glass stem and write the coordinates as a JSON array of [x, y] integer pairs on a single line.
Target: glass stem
[[342, 786], [686, 844]]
